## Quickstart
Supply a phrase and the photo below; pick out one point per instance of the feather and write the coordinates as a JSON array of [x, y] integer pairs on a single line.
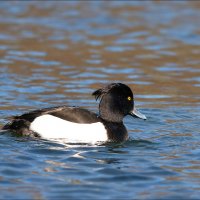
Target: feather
[[100, 92]]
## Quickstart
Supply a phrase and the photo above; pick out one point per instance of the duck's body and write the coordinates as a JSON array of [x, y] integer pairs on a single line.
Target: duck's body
[[80, 125]]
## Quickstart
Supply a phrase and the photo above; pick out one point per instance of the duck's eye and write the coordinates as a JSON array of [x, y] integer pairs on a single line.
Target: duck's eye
[[129, 98]]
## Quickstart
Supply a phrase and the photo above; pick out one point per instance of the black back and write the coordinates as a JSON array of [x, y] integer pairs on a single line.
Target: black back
[[20, 124]]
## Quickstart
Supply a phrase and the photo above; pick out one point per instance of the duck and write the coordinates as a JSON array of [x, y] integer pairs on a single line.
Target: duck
[[77, 124]]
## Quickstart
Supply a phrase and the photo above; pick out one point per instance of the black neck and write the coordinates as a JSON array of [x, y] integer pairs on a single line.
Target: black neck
[[116, 131]]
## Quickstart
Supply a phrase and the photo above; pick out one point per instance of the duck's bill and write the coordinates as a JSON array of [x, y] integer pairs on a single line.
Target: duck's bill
[[136, 113]]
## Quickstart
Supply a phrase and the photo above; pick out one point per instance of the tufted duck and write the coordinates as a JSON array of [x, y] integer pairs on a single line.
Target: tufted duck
[[80, 125]]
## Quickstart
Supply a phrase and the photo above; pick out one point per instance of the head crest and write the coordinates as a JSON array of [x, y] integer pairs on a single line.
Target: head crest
[[100, 92]]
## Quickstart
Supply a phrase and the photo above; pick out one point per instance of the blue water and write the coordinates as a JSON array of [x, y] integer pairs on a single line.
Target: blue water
[[55, 53]]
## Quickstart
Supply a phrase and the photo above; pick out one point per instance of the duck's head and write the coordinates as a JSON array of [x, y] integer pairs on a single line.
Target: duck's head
[[116, 101]]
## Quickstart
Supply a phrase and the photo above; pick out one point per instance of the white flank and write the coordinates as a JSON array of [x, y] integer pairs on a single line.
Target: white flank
[[48, 126]]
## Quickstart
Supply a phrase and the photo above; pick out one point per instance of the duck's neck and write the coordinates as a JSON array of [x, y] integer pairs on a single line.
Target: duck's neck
[[116, 131]]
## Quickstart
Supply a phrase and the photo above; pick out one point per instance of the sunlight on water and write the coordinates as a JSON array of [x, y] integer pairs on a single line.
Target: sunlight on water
[[55, 53]]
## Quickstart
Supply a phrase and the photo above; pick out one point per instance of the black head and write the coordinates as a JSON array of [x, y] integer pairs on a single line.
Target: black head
[[116, 101]]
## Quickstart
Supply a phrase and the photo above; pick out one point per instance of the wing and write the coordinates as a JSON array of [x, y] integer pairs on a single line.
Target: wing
[[73, 114]]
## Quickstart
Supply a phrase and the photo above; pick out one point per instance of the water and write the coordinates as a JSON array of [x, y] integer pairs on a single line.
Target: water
[[55, 53]]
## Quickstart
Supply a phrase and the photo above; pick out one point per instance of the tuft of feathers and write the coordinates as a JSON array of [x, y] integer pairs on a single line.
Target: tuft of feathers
[[100, 92]]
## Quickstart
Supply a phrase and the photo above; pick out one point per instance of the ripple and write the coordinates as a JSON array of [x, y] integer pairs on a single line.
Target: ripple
[[118, 48], [27, 53]]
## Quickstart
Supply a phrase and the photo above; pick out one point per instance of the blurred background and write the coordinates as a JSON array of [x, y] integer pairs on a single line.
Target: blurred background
[[59, 52]]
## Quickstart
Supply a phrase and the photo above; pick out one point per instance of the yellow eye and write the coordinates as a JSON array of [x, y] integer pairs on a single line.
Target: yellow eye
[[129, 98]]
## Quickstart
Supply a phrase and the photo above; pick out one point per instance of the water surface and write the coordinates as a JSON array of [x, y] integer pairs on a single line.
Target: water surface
[[55, 53]]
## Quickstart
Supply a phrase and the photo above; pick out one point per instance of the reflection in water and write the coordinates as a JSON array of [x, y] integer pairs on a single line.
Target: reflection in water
[[54, 53]]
